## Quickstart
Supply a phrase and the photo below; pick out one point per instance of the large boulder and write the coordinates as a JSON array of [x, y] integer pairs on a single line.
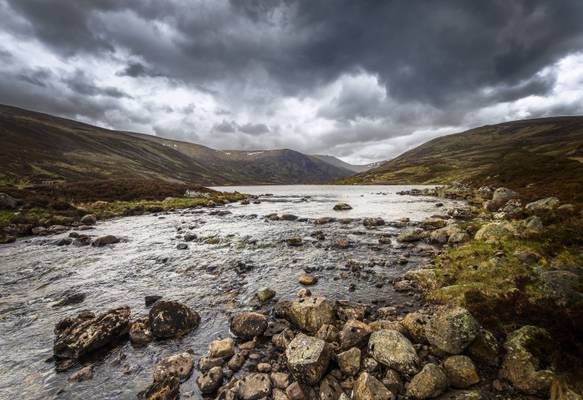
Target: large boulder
[[394, 350], [495, 231], [310, 313], [546, 204], [452, 329], [169, 319], [485, 348], [500, 197], [415, 323], [247, 325], [461, 371], [429, 383], [524, 363], [367, 387], [89, 219], [308, 358], [78, 336], [7, 201], [255, 387]]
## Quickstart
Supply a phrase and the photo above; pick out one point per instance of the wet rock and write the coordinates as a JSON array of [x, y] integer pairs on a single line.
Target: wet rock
[[354, 333], [324, 220], [237, 361], [308, 280], [177, 365], [84, 374], [89, 219], [265, 294], [289, 217], [63, 242], [280, 380], [310, 313], [546, 204], [429, 383], [165, 389], [150, 300], [181, 246], [222, 348], [524, 363], [373, 222], [433, 223], [452, 329], [415, 323], [247, 325], [330, 388], [209, 382], [367, 387], [308, 358], [104, 241], [75, 337], [410, 235], [169, 319], [349, 361], [328, 333], [189, 237], [342, 207], [341, 244], [295, 241], [318, 235], [393, 382], [485, 349], [461, 371], [394, 350], [254, 387], [140, 333], [74, 298]]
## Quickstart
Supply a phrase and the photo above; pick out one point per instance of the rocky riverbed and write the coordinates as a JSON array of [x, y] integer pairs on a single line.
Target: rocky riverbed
[[214, 260]]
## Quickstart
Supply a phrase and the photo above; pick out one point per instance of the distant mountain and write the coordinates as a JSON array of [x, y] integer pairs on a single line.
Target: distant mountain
[[342, 164], [537, 156], [40, 147]]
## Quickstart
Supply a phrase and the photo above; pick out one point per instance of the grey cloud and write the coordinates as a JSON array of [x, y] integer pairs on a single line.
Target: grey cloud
[[80, 83], [248, 128], [254, 129]]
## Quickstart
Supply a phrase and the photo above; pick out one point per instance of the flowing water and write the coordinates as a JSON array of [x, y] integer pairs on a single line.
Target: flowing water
[[216, 275]]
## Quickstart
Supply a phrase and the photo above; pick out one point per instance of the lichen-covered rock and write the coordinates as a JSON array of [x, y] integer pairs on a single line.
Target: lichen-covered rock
[[500, 197], [328, 333], [392, 381], [169, 319], [140, 333], [178, 365], [310, 313], [247, 325], [222, 348], [265, 293], [495, 231], [524, 369], [410, 235], [461, 371], [354, 333], [308, 358], [394, 350], [425, 278], [546, 204], [415, 323], [430, 382], [209, 382], [254, 387], [485, 349], [349, 361], [75, 337], [367, 387], [452, 329]]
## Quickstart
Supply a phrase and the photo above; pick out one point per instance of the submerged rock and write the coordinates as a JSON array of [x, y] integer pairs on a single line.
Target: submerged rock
[[310, 313], [394, 350], [78, 336], [169, 319], [247, 325], [84, 374], [452, 329], [308, 358], [265, 294]]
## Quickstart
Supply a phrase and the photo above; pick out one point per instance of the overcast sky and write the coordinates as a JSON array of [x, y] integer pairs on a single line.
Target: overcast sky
[[361, 80]]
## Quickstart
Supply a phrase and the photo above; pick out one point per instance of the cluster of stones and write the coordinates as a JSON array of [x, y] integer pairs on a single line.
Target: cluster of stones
[[310, 349]]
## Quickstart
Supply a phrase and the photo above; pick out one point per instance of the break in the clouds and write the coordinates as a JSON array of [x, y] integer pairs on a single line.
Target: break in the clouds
[[362, 80]]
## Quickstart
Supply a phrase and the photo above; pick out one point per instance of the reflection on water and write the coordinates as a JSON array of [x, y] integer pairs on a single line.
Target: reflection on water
[[217, 275]]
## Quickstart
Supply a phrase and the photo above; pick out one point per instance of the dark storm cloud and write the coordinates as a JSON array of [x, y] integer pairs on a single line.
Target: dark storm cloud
[[433, 63]]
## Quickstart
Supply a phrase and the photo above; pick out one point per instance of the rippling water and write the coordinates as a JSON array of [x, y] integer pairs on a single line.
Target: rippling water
[[208, 276]]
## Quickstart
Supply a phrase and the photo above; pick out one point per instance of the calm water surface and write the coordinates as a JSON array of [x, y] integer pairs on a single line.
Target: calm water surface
[[217, 275]]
